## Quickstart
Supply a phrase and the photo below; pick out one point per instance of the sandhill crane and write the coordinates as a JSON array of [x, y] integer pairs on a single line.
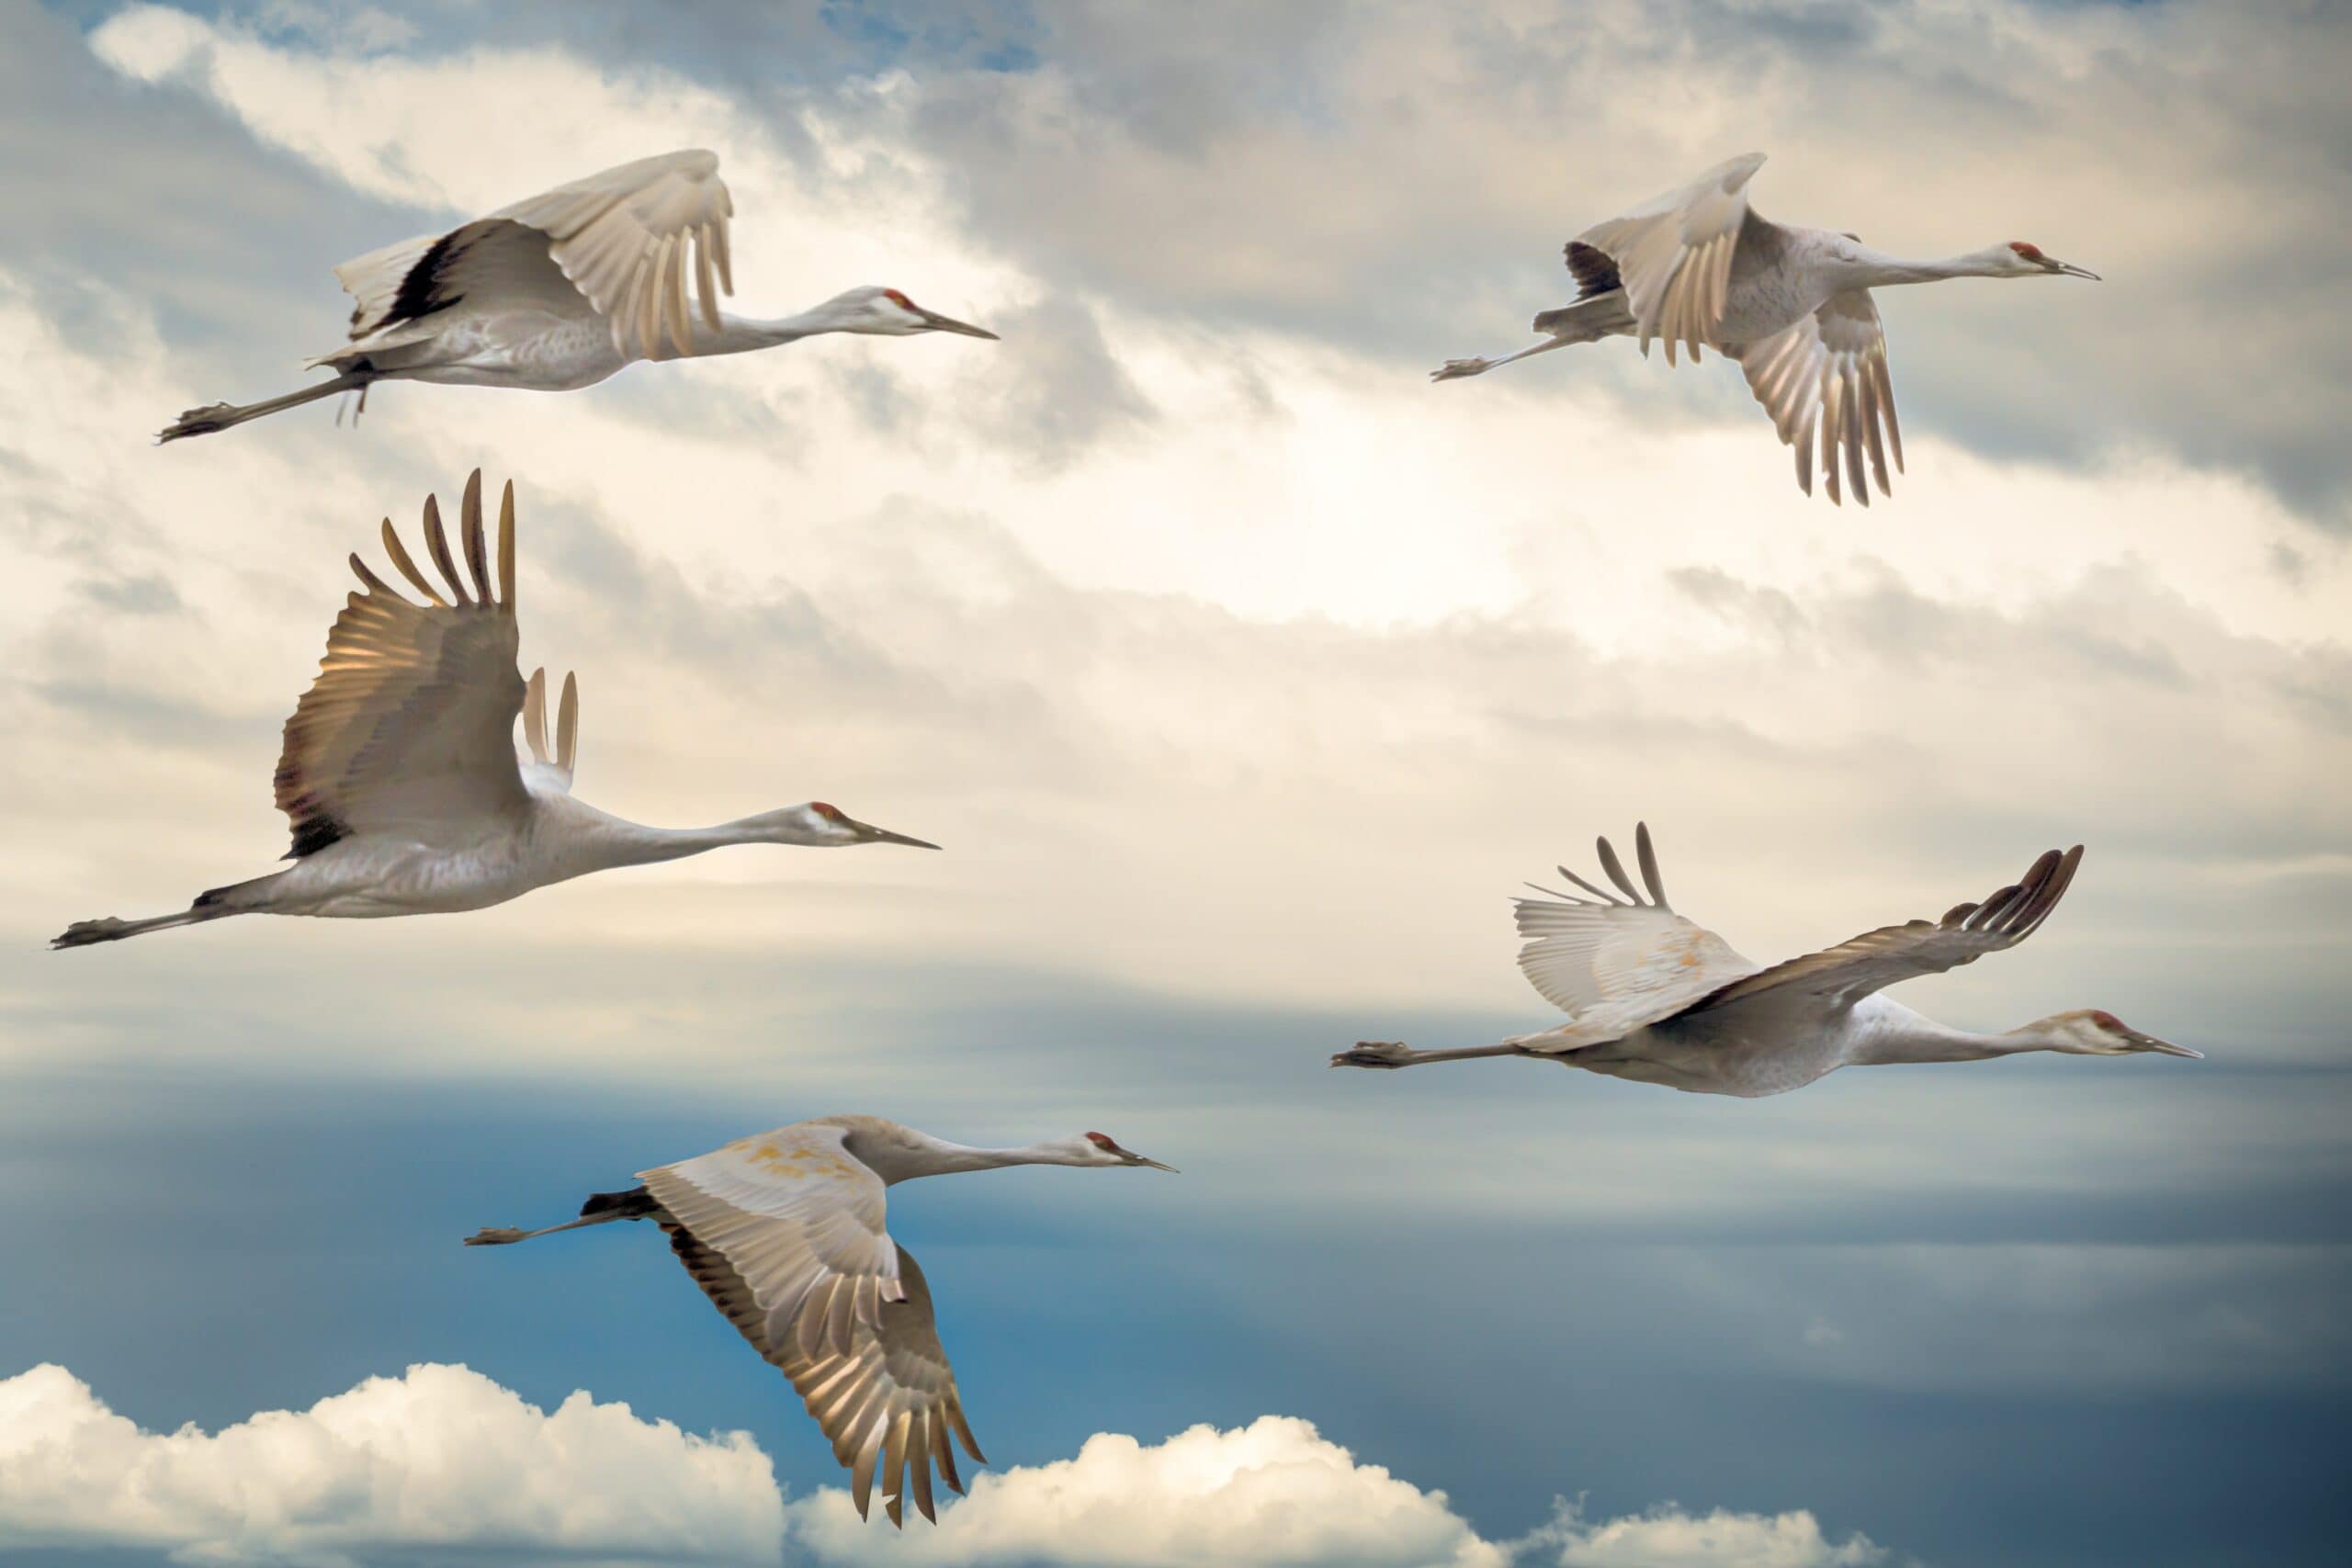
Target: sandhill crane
[[561, 290], [783, 1231], [1792, 306], [1654, 998], [400, 775]]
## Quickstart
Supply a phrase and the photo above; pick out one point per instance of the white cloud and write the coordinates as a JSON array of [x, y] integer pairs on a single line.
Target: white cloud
[[1668, 1537], [1272, 1494], [438, 1458], [443, 1461]]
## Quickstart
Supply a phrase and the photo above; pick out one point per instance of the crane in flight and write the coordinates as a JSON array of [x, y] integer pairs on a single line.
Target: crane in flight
[[783, 1231], [559, 290], [1657, 999], [1698, 266], [400, 774]]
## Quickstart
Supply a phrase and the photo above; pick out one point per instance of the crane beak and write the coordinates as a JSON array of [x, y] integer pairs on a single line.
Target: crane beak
[[2166, 1047], [933, 321], [1153, 1163], [868, 833], [2070, 270]]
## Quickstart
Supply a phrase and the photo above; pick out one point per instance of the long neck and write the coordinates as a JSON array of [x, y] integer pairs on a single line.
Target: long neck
[[1895, 1034], [937, 1157], [604, 841], [741, 335], [1875, 269]]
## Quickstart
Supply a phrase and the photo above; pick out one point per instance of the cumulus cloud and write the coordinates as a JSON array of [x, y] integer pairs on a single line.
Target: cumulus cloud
[[1668, 1537], [1273, 1493], [443, 1461], [437, 1460]]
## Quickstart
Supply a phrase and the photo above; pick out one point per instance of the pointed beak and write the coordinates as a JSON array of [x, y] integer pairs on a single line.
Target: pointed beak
[[1153, 1163], [2070, 270], [933, 321], [867, 832], [2161, 1048]]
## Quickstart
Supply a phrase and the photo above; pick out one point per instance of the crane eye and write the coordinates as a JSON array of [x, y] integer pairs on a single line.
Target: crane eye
[[1100, 1141], [2030, 252], [897, 299], [830, 813]]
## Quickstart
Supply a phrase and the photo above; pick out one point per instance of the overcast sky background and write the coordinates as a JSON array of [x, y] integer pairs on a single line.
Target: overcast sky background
[[1244, 675]]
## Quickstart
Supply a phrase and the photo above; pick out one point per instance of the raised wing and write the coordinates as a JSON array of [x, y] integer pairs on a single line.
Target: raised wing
[[1673, 254], [1823, 376], [544, 773], [623, 238], [489, 258], [621, 243], [1615, 964], [409, 725], [1839, 976]]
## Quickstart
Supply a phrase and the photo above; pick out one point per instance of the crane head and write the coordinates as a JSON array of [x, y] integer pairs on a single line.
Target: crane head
[[885, 313], [822, 824], [1101, 1148], [2029, 260], [2091, 1031]]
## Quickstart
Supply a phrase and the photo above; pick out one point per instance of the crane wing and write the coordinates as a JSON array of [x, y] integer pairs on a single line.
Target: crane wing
[[888, 1399], [1839, 976], [491, 258], [409, 725], [801, 1218], [1615, 964], [624, 238], [1823, 376], [621, 243], [1673, 254], [784, 1231], [546, 773]]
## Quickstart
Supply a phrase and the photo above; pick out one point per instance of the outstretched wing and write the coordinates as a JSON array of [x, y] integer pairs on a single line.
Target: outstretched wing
[[409, 725], [1839, 976], [1673, 254], [1823, 376], [545, 774], [784, 1231], [622, 242], [890, 1399], [1615, 964]]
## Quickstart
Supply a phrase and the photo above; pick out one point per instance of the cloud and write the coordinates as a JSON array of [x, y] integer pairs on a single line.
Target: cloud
[[437, 1460], [1273, 1493], [1668, 1537], [441, 1460]]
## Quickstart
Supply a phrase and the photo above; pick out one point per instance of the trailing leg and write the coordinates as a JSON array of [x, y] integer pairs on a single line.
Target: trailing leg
[[602, 1208], [221, 416], [1396, 1054]]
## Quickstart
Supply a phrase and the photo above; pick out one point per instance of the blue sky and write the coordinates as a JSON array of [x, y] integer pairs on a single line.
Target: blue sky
[[1244, 676]]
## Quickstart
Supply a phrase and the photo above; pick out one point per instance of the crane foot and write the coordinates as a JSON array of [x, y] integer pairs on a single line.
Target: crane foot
[[1376, 1054]]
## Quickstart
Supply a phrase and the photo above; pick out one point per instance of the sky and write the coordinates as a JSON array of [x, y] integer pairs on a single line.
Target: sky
[[1244, 675]]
